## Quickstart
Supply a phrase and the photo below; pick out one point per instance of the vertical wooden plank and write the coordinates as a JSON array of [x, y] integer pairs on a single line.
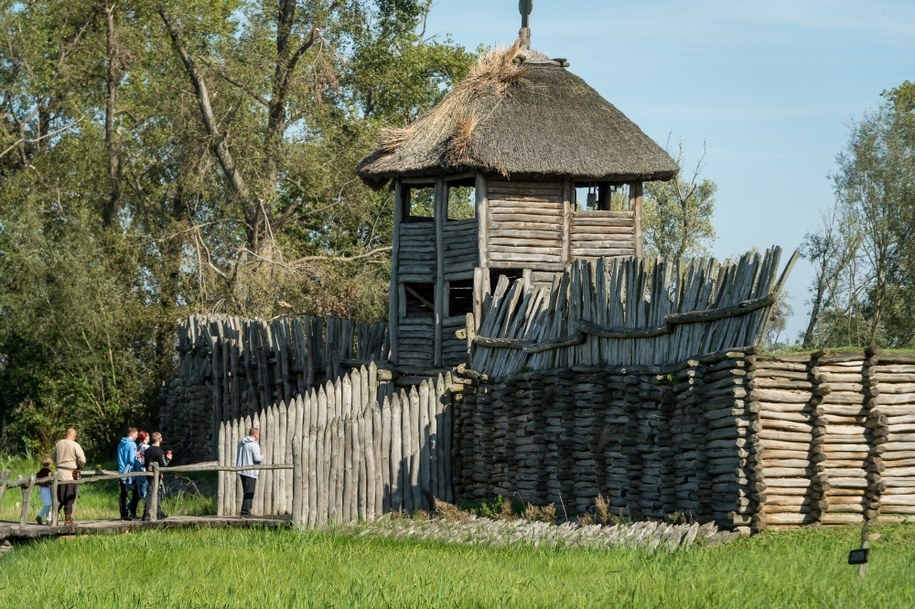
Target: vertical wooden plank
[[447, 443], [4, 476], [635, 204], [435, 431], [298, 483], [482, 201], [568, 211], [441, 213], [425, 439], [414, 429], [282, 479], [377, 462], [221, 475], [55, 504], [388, 481], [400, 446], [363, 451], [315, 437], [233, 498], [394, 290], [349, 448], [154, 494], [26, 501], [323, 490]]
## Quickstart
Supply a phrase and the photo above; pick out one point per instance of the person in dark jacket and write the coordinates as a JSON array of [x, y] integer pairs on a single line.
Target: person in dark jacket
[[248, 453], [155, 454]]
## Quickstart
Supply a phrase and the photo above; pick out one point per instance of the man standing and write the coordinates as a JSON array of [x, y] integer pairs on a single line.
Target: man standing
[[127, 462], [68, 456], [248, 453], [155, 454]]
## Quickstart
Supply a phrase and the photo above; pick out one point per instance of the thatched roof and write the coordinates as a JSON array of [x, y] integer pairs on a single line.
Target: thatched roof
[[520, 114]]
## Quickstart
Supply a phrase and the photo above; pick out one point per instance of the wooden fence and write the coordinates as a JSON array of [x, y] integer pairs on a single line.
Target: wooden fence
[[355, 454], [627, 312], [28, 484], [232, 367]]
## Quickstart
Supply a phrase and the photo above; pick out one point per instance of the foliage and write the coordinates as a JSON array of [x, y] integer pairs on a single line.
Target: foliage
[[864, 289], [678, 214], [277, 568], [159, 158]]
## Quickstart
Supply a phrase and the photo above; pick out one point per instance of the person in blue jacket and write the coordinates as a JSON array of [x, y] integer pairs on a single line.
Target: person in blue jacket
[[128, 462]]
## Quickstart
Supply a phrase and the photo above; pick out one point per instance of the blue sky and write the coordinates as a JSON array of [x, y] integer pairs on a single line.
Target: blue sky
[[768, 88]]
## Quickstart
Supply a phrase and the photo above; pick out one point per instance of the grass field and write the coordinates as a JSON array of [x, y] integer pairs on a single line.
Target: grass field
[[285, 568], [263, 569]]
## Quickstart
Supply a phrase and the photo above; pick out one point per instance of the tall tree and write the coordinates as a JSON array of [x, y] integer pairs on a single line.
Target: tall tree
[[161, 157], [678, 213], [872, 252]]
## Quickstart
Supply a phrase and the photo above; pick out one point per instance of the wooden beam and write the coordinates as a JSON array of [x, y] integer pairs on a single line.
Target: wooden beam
[[394, 290], [441, 214], [568, 190], [635, 203]]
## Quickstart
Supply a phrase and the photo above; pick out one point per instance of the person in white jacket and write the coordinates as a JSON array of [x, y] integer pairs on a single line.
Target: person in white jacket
[[248, 453]]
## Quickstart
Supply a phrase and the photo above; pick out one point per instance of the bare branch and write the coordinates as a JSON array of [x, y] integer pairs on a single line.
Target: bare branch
[[241, 86], [35, 140], [218, 145]]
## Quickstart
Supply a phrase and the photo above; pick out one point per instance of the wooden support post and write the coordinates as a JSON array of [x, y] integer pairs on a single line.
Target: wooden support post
[[482, 214], [298, 484], [635, 204], [26, 499], [55, 504], [568, 208], [865, 544], [394, 291], [441, 215], [4, 476], [152, 507]]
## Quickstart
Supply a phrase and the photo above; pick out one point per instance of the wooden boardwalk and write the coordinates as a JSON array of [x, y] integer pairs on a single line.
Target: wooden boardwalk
[[12, 532]]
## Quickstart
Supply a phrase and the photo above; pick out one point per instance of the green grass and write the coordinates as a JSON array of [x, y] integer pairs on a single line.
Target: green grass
[[284, 568], [99, 500]]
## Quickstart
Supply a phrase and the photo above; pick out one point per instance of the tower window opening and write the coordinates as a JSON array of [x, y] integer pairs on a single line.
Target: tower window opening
[[419, 202], [420, 299], [460, 297], [601, 196], [462, 199]]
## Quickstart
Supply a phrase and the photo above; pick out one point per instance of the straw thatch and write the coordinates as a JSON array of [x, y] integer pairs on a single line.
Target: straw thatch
[[520, 114]]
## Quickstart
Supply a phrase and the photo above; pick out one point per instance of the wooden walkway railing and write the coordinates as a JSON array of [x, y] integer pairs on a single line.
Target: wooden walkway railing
[[27, 484]]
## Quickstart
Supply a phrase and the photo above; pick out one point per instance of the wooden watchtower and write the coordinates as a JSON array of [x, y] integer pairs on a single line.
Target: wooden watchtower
[[519, 170]]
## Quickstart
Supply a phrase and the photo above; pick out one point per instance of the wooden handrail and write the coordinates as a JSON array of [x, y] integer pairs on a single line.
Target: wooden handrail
[[99, 475]]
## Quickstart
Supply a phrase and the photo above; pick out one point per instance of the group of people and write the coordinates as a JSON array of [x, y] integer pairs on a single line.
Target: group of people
[[137, 452]]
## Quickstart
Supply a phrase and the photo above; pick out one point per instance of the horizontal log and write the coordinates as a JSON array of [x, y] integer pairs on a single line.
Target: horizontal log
[[790, 519], [780, 396], [896, 399], [773, 443], [838, 519]]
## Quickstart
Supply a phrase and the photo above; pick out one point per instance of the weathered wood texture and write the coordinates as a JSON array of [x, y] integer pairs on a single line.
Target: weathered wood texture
[[353, 457], [232, 367], [747, 441], [626, 312]]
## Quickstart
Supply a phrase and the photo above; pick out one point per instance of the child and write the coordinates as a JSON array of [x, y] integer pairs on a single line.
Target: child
[[45, 489]]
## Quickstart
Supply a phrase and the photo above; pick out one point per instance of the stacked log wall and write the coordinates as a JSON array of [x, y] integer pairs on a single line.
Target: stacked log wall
[[749, 441]]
